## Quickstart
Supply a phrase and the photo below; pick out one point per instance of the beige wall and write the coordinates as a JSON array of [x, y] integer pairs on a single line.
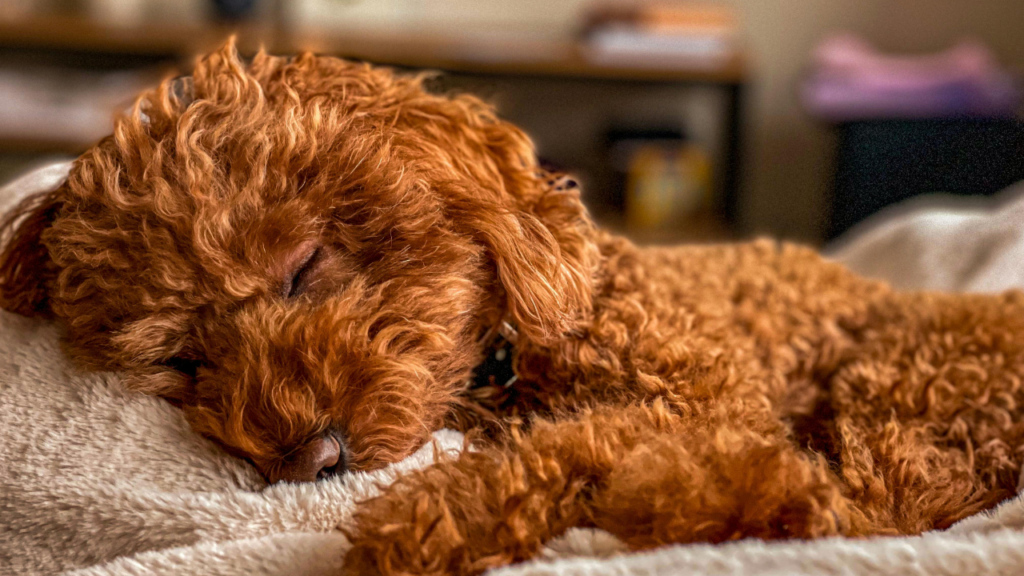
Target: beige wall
[[789, 155]]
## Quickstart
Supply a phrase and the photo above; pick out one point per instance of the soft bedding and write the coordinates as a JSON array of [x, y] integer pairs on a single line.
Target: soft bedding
[[97, 480], [942, 242]]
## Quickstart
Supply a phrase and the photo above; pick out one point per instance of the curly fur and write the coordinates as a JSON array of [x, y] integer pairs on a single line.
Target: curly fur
[[688, 394]]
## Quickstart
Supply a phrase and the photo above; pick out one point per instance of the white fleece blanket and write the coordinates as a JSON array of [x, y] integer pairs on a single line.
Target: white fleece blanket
[[942, 242], [96, 480]]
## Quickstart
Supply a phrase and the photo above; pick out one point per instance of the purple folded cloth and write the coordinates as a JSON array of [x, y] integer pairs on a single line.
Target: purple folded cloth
[[852, 81]]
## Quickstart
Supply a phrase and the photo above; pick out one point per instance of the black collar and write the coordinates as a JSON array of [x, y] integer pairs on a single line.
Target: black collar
[[496, 370]]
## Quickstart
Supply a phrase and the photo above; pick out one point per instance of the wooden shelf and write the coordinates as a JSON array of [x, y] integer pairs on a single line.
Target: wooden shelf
[[505, 57], [42, 146], [82, 34], [464, 53]]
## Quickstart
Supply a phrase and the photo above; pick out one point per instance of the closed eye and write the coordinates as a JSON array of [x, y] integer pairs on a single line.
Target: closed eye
[[186, 366], [299, 278]]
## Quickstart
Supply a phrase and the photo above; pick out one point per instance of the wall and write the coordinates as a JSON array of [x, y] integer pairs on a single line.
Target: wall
[[789, 155]]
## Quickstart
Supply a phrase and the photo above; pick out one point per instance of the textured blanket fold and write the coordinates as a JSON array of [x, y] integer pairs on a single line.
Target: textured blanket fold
[[942, 242], [96, 480]]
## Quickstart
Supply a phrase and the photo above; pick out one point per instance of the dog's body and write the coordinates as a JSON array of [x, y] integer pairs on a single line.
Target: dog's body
[[312, 258]]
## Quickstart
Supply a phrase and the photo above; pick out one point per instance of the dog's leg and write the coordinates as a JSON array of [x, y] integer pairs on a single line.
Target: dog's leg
[[643, 473]]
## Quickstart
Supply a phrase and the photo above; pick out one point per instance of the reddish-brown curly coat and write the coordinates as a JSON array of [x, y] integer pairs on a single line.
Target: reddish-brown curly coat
[[689, 394]]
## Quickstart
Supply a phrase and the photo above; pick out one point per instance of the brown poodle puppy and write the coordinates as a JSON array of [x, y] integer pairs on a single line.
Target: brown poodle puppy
[[321, 263]]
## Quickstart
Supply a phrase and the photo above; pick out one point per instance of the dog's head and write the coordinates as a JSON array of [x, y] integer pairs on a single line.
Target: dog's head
[[303, 253]]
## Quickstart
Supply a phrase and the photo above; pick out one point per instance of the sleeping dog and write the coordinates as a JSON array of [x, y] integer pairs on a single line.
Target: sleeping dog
[[321, 263]]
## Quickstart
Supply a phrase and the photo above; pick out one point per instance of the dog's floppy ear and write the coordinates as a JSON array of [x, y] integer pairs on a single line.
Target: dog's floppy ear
[[543, 254], [26, 270], [534, 227]]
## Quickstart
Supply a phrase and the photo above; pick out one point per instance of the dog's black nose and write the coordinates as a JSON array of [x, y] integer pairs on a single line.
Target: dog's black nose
[[320, 459]]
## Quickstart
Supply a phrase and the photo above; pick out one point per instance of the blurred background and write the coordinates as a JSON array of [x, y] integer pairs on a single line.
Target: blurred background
[[685, 121]]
